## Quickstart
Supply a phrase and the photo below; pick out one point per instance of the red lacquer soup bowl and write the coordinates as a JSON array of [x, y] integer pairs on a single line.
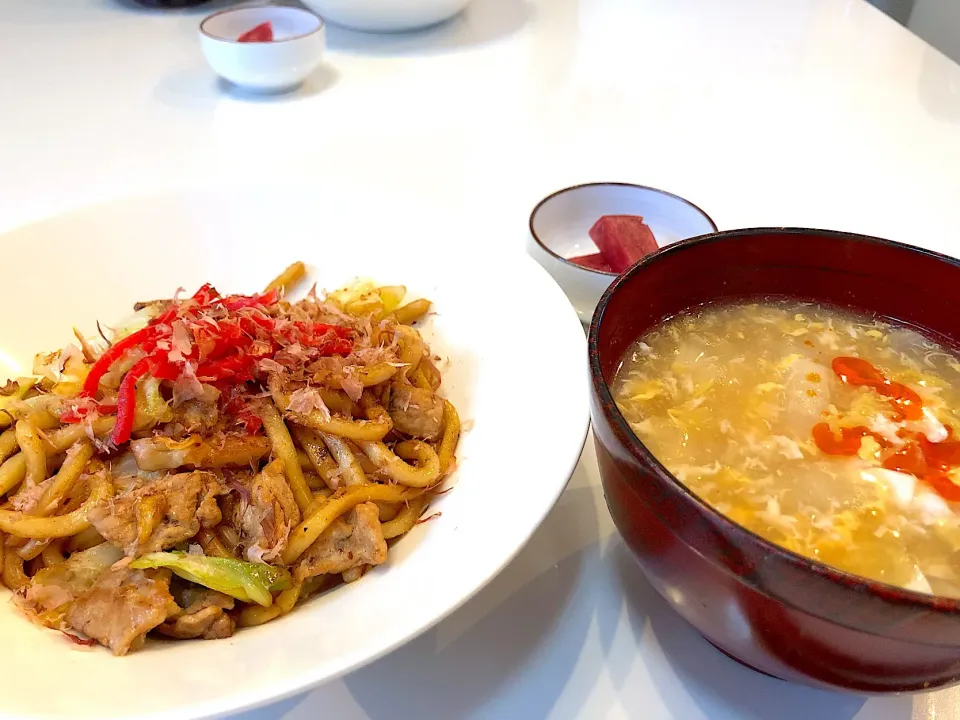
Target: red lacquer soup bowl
[[769, 608]]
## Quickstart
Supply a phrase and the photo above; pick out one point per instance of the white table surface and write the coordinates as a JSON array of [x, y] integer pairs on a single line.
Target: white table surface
[[795, 112]]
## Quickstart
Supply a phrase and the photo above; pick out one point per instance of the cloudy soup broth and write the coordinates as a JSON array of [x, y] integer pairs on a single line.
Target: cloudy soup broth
[[829, 433]]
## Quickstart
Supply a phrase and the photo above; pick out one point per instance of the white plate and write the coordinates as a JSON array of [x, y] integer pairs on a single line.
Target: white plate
[[560, 229], [516, 372]]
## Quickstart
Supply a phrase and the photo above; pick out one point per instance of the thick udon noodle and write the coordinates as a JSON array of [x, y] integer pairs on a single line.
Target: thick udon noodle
[[261, 450], [731, 400]]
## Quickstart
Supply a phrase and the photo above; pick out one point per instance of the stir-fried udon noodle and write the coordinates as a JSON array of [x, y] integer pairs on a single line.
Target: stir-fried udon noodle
[[228, 458]]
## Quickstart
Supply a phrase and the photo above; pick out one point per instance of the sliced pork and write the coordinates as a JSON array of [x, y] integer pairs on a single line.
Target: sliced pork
[[203, 616], [122, 607], [265, 518], [160, 513], [350, 542], [416, 412]]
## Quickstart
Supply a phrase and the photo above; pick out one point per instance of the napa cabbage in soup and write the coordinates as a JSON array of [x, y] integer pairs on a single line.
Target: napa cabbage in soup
[[832, 434]]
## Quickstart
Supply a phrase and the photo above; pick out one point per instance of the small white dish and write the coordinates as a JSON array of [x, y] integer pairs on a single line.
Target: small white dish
[[281, 64], [560, 226], [385, 16]]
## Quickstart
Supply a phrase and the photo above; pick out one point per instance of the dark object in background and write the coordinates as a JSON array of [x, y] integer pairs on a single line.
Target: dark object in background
[[169, 4]]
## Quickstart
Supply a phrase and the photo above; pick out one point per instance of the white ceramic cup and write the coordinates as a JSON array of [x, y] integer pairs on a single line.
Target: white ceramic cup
[[283, 64], [560, 229]]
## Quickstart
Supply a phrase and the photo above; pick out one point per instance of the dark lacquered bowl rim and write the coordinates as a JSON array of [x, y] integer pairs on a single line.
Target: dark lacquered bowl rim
[[262, 6], [581, 186], [884, 591]]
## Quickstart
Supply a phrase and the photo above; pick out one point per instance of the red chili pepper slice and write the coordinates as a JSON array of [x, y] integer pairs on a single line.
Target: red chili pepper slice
[[162, 369], [943, 455], [336, 347], [167, 316], [237, 302], [848, 443], [127, 400], [944, 486], [904, 400], [908, 459], [328, 339], [323, 329], [250, 420], [206, 295], [255, 322], [858, 372], [239, 367], [917, 456], [229, 349], [112, 354]]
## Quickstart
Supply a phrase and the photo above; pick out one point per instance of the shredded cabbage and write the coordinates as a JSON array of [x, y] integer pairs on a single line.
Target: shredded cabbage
[[23, 386], [245, 581]]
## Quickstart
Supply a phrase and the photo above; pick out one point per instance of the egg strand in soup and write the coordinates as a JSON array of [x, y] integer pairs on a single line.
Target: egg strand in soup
[[829, 433]]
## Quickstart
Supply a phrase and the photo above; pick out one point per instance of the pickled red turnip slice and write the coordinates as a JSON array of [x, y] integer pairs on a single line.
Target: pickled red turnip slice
[[593, 262], [261, 33], [622, 240]]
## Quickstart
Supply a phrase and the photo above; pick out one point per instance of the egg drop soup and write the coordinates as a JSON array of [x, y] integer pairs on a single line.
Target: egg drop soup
[[831, 434]]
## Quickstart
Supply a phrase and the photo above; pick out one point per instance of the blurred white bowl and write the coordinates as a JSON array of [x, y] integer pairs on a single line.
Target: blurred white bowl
[[283, 64], [386, 15], [560, 226]]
